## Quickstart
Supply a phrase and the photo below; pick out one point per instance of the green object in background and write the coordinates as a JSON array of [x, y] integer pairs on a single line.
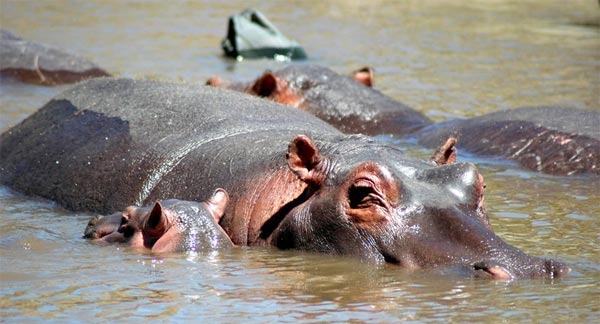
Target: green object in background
[[251, 35]]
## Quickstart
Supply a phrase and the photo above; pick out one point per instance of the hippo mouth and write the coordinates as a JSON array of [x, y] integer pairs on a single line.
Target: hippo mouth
[[485, 269], [546, 268]]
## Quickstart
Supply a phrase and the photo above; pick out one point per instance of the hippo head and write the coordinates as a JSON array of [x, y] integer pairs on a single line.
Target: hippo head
[[347, 103], [367, 199], [296, 86], [166, 226]]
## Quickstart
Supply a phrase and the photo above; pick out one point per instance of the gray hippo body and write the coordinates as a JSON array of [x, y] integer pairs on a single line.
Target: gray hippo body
[[552, 140], [294, 182], [36, 63], [339, 100]]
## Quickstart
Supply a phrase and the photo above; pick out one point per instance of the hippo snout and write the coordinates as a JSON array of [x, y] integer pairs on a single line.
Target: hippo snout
[[555, 269]]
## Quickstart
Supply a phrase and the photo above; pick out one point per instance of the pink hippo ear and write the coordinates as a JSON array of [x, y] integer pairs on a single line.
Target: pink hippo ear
[[303, 157], [217, 204], [265, 85], [155, 225], [445, 154], [364, 76], [214, 81]]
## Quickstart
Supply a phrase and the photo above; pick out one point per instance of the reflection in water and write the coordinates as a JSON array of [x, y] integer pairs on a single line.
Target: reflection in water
[[446, 59]]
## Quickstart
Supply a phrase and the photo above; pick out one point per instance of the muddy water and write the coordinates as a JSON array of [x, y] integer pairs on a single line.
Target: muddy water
[[447, 59]]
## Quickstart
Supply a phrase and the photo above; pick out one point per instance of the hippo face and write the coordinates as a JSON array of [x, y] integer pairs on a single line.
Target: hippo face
[[101, 226], [383, 206], [167, 226]]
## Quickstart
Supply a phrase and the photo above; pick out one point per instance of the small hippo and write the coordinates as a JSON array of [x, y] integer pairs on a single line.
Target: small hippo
[[40, 64], [167, 226], [294, 181], [553, 140]]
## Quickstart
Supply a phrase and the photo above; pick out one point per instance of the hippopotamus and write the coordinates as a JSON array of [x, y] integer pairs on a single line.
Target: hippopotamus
[[166, 226], [41, 64], [337, 99], [553, 140], [294, 181]]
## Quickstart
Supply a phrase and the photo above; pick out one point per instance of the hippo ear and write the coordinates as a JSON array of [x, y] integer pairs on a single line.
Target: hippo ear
[[217, 204], [155, 218], [302, 158], [364, 76], [265, 85], [155, 225], [214, 81], [445, 154]]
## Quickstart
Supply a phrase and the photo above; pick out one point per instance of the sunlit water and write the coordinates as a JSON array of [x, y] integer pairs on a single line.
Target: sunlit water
[[446, 59]]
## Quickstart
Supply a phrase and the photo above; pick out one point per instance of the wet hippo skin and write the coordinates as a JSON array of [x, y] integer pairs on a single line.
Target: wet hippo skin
[[294, 182], [553, 140], [337, 99], [41, 64]]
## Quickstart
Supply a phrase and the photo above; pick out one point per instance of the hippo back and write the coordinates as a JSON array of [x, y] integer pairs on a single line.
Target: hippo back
[[36, 63], [107, 143], [554, 140], [349, 105]]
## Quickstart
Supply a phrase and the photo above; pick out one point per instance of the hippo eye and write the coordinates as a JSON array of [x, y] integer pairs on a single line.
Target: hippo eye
[[305, 84], [125, 228], [363, 195]]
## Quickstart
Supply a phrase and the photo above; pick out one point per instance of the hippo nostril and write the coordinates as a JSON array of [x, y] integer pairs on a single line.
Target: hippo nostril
[[555, 269]]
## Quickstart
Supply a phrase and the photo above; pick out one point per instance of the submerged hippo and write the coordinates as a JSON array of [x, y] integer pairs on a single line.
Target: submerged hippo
[[294, 182], [339, 100], [166, 226], [35, 63], [553, 140]]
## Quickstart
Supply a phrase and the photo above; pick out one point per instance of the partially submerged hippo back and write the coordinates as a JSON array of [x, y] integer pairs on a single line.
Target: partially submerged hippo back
[[166, 226], [553, 140], [339, 100], [294, 182], [107, 143], [35, 63]]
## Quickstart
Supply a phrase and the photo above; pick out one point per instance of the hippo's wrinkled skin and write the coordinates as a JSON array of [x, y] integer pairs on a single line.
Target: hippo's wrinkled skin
[[552, 140], [339, 100], [108, 143], [35, 63], [166, 226]]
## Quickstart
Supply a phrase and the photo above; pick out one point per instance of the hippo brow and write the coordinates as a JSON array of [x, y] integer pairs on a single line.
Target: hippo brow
[[369, 145]]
